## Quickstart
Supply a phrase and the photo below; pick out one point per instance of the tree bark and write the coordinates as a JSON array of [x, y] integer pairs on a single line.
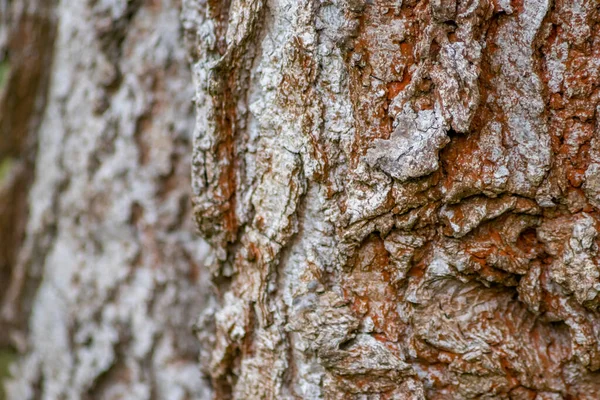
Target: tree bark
[[110, 243], [397, 199], [27, 31], [402, 197]]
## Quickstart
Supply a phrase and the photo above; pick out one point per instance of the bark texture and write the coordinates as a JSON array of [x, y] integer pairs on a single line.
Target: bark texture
[[402, 197], [110, 244], [27, 30]]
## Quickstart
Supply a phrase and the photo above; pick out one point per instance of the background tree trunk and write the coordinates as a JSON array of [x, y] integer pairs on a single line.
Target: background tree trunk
[[27, 31], [110, 242], [400, 200]]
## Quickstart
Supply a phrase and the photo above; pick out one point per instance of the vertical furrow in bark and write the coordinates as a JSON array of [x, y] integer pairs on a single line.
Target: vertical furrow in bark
[[27, 39]]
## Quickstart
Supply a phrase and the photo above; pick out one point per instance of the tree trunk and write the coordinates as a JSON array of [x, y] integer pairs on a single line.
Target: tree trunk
[[402, 197], [110, 239], [400, 200], [27, 31]]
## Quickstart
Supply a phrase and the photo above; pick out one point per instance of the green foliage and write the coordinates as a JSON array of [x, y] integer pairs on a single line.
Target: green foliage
[[5, 167], [4, 69], [7, 357]]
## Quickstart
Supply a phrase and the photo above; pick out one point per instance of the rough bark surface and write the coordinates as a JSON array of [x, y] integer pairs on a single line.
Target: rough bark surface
[[27, 30], [402, 197], [110, 244]]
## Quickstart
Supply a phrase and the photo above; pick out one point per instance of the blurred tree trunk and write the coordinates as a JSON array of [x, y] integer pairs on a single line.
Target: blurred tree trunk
[[27, 31], [400, 200], [110, 262]]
